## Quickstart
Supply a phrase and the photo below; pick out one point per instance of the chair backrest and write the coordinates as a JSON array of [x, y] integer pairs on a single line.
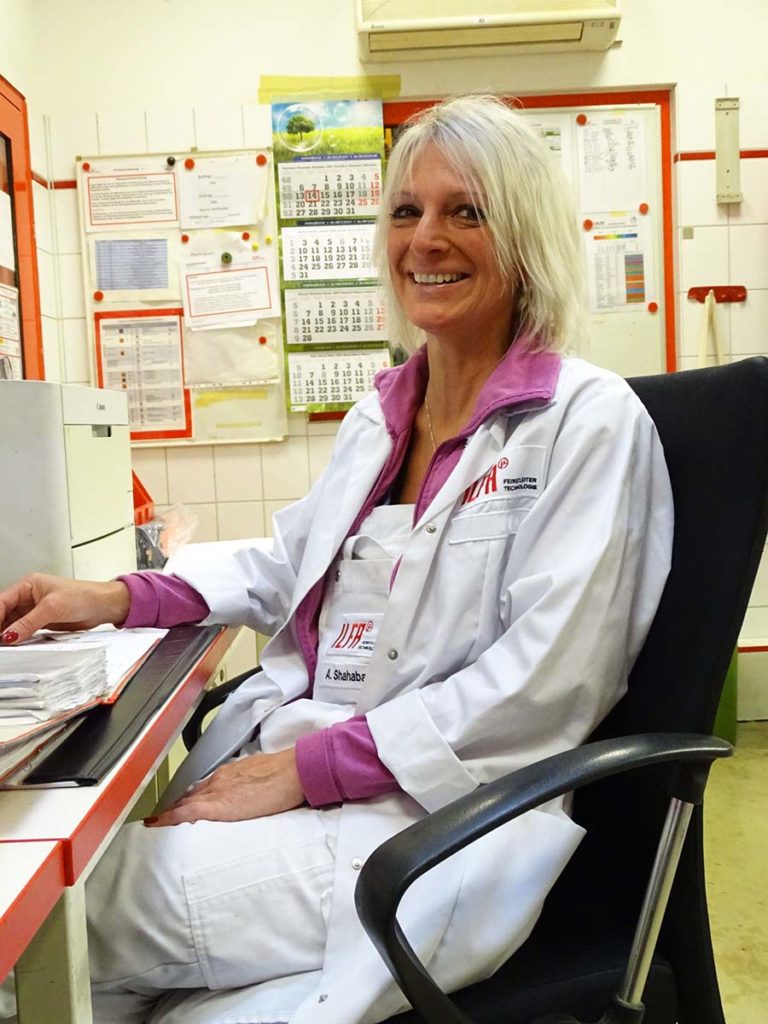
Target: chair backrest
[[713, 424]]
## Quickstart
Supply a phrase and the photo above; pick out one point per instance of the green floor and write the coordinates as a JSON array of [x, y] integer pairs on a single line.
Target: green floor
[[736, 849]]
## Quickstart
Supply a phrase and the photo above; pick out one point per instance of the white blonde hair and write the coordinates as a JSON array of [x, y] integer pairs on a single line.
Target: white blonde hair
[[527, 204]]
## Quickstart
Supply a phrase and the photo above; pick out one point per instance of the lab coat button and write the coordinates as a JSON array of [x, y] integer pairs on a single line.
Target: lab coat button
[[357, 863], [322, 998], [338, 575], [431, 528], [392, 654]]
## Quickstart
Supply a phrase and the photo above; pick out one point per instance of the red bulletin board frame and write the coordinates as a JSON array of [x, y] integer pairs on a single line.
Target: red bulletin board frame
[[397, 112], [125, 314], [14, 125]]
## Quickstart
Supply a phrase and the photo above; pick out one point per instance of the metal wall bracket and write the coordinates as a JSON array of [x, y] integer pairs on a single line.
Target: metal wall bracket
[[727, 168]]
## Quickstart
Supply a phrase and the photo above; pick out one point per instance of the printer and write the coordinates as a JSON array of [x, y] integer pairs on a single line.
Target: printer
[[66, 494]]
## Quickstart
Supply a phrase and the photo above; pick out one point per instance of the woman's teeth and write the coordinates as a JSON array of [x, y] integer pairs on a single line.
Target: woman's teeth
[[437, 278]]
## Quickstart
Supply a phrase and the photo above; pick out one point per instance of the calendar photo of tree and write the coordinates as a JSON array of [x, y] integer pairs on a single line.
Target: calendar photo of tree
[[331, 128]]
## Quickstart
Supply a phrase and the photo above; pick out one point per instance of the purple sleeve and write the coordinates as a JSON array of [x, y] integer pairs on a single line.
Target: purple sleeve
[[164, 601], [341, 763]]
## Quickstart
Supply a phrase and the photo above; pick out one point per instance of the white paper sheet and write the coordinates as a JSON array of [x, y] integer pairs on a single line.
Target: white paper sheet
[[620, 271], [612, 162], [233, 295], [130, 264], [336, 252], [223, 191], [233, 356], [7, 249], [142, 356], [323, 316], [129, 198], [240, 414], [10, 335]]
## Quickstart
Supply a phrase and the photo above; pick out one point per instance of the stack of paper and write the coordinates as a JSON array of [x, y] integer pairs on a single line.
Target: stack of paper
[[38, 684]]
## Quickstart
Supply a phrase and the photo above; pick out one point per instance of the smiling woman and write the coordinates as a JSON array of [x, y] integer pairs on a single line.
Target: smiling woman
[[434, 624]]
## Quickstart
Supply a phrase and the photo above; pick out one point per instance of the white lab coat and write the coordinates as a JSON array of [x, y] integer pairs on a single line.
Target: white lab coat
[[518, 609]]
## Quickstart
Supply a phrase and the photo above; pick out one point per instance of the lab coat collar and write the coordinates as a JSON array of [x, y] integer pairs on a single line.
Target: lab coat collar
[[521, 375]]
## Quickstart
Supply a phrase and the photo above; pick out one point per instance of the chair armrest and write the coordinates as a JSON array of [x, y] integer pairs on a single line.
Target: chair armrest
[[398, 862], [192, 731]]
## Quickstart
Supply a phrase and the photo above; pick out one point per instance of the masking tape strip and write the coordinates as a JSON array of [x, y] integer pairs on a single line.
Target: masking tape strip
[[358, 87], [203, 399]]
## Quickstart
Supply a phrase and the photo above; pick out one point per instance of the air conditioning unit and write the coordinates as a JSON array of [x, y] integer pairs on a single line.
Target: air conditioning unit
[[428, 29]]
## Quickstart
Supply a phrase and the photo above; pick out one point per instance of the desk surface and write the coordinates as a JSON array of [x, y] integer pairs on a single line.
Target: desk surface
[[31, 881], [84, 819]]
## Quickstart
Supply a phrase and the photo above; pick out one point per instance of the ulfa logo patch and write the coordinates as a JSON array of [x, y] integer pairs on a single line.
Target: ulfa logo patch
[[498, 480]]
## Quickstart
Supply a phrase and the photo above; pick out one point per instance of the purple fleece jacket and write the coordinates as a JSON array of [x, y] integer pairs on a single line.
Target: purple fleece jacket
[[341, 762]]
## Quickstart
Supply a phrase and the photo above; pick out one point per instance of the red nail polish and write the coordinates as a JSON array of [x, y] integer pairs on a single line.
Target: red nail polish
[[150, 821], [10, 636]]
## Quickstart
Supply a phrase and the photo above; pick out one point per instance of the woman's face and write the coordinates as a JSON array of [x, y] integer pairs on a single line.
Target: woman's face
[[441, 258]]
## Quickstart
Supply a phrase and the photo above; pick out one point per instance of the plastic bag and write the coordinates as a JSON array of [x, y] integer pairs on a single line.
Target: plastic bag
[[162, 537]]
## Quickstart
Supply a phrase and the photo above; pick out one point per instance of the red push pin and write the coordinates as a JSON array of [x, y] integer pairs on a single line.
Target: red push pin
[[246, 235], [86, 166], [653, 307], [98, 296], [581, 119], [189, 163], [261, 159], [262, 340], [587, 225], [644, 208], [185, 239]]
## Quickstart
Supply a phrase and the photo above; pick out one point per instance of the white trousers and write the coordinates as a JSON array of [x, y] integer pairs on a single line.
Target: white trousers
[[212, 905]]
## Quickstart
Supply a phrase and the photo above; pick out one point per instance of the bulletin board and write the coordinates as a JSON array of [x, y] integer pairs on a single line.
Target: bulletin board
[[615, 148], [182, 292]]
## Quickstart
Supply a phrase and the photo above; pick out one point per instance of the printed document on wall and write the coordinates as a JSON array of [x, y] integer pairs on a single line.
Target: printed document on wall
[[129, 197], [612, 162], [233, 295], [620, 271], [142, 356], [223, 191], [10, 335]]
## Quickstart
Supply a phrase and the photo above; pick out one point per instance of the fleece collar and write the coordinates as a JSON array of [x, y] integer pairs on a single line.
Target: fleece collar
[[521, 376]]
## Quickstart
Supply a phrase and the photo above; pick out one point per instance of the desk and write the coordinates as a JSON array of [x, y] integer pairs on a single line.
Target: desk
[[64, 832]]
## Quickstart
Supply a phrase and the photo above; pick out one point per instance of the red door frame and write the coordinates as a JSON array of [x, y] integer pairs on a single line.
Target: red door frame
[[13, 124], [397, 112]]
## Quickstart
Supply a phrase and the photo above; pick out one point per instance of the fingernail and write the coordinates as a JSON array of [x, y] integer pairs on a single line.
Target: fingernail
[[10, 636], [150, 821]]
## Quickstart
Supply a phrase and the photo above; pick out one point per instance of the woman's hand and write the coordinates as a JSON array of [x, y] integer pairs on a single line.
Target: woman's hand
[[250, 787], [39, 602]]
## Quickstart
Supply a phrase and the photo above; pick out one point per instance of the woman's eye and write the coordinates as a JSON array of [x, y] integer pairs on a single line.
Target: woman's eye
[[470, 212], [403, 212]]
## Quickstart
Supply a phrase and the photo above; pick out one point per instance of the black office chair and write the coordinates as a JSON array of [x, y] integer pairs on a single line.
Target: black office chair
[[583, 960], [580, 963]]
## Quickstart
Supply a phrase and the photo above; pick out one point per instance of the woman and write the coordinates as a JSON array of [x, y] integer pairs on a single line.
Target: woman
[[463, 592]]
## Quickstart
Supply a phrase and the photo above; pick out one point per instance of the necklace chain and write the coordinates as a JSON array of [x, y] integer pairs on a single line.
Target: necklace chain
[[429, 424]]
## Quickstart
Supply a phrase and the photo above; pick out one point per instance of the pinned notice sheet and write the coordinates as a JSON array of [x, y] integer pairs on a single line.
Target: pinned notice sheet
[[133, 197], [223, 191], [142, 355], [612, 161], [620, 271], [235, 294]]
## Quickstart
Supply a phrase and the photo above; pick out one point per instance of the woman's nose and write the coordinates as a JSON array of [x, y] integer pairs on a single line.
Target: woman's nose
[[429, 234]]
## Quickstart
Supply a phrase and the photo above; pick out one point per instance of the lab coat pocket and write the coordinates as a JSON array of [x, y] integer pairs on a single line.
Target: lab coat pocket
[[272, 886], [485, 526]]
